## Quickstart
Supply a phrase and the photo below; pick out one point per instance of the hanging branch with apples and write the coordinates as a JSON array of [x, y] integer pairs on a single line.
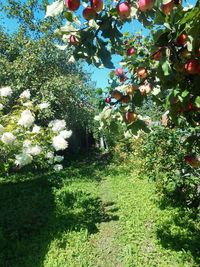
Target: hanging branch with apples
[[165, 63]]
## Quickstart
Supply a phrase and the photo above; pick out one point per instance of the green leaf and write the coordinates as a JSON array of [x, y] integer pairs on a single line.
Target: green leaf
[[104, 55], [138, 126], [184, 93], [69, 16], [165, 68], [99, 91], [197, 101], [190, 15], [138, 99]]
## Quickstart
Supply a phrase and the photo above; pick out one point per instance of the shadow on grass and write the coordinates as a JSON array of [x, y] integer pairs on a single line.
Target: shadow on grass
[[181, 232], [34, 212]]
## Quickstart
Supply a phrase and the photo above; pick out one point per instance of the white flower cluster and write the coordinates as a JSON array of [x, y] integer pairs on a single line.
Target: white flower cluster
[[30, 141], [6, 91], [23, 159], [59, 141], [26, 94], [57, 125], [26, 119], [8, 138], [44, 105]]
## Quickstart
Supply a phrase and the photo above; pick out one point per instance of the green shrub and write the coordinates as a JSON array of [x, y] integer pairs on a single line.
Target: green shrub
[[163, 151]]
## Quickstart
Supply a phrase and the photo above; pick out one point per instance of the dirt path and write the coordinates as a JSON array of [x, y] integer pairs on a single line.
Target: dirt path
[[106, 245]]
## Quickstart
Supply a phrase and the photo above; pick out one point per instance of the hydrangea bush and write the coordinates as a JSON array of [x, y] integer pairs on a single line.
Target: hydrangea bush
[[22, 141]]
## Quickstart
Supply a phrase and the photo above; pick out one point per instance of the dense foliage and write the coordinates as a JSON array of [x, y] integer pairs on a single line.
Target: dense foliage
[[39, 66], [163, 153]]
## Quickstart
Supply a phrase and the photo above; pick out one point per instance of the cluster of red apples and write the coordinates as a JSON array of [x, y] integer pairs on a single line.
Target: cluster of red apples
[[190, 66], [130, 89], [90, 11], [123, 10], [190, 63]]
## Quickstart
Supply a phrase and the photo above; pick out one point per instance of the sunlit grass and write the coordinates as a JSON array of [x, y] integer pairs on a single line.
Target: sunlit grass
[[94, 213]]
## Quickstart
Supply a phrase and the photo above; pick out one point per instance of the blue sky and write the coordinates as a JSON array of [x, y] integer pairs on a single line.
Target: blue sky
[[100, 76]]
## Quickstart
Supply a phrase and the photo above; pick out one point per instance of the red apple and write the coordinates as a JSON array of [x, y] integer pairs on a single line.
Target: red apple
[[145, 89], [73, 5], [97, 5], [181, 40], [145, 5], [157, 55], [131, 116], [119, 72], [167, 8], [73, 40], [89, 13], [107, 100], [142, 72], [190, 106], [125, 99], [130, 51], [116, 94], [192, 66], [124, 10]]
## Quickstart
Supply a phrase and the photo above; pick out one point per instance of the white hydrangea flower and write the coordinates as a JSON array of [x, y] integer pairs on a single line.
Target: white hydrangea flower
[[59, 143], [27, 143], [66, 134], [1, 129], [58, 158], [58, 167], [36, 129], [50, 155], [8, 138], [25, 94], [6, 91], [57, 125], [44, 105], [26, 118], [23, 159], [34, 150], [1, 106]]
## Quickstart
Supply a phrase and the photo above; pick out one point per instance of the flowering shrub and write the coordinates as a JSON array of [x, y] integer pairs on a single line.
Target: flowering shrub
[[22, 141]]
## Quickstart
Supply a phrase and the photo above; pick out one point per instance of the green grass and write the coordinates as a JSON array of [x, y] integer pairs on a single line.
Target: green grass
[[94, 213]]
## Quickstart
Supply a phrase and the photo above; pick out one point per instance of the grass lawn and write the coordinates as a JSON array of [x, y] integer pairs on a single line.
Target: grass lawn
[[94, 213]]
